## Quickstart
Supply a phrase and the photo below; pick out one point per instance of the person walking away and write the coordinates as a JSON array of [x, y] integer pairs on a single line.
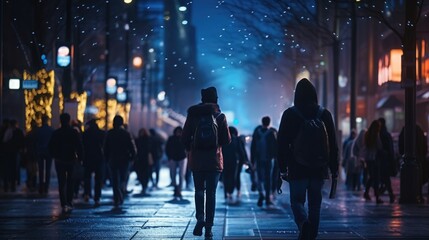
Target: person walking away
[[347, 158], [243, 162], [13, 141], [119, 149], [263, 151], [205, 155], [421, 159], [373, 152], [176, 154], [144, 162], [44, 159], [387, 160], [65, 146], [157, 151], [93, 140], [233, 155], [306, 175], [358, 151]]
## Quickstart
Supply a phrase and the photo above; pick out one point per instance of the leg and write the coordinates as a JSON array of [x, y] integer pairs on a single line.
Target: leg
[[199, 185], [61, 175], [70, 184], [314, 202], [298, 190]]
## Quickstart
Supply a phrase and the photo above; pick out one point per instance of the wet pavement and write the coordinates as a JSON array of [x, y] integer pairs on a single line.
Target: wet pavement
[[158, 216]]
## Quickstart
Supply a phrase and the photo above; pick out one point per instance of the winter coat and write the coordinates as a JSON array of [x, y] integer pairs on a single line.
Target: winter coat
[[93, 140], [119, 146], [174, 148], [270, 150], [43, 135], [65, 145], [306, 102], [205, 160]]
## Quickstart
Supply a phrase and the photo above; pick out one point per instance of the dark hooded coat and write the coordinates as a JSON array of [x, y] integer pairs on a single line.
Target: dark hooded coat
[[205, 160], [306, 102]]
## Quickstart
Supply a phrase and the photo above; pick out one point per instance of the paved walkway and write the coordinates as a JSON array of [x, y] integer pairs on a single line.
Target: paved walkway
[[159, 216]]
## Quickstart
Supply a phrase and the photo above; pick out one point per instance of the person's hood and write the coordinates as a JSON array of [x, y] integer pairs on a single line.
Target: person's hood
[[203, 109], [305, 95]]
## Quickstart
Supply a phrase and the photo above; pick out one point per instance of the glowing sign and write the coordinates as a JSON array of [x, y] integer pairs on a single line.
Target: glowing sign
[[63, 56], [14, 83]]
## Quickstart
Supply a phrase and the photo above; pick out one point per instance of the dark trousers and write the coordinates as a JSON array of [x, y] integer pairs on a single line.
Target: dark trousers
[[205, 183], [11, 176], [264, 171], [373, 177], [65, 182], [45, 164], [229, 175], [119, 175], [299, 190], [98, 180]]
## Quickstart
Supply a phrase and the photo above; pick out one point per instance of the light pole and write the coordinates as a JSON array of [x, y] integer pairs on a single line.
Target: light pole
[[106, 59]]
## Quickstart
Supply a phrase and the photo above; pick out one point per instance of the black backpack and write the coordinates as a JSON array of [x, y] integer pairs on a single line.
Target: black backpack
[[206, 133], [311, 145]]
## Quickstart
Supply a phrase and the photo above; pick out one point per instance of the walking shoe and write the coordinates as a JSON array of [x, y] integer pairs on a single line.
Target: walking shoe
[[260, 200], [208, 234], [366, 196], [198, 230], [304, 232]]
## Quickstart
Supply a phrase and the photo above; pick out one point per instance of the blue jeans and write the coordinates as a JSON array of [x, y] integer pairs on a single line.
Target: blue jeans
[[205, 182], [313, 189]]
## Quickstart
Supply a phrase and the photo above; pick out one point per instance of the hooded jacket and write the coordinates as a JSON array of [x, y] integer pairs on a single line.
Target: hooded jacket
[[306, 102], [205, 160]]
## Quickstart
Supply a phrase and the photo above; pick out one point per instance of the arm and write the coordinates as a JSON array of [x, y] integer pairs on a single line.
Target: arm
[[223, 131], [333, 146]]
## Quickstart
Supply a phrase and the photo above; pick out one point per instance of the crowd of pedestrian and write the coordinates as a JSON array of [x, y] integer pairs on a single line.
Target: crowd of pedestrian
[[206, 151]]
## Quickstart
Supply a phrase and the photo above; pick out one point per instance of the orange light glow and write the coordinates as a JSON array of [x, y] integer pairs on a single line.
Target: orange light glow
[[395, 68]]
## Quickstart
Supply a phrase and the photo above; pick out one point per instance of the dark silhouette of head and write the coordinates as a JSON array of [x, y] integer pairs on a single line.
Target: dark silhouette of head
[[118, 121], [209, 95], [266, 121], [177, 131], [45, 120], [65, 119], [233, 131]]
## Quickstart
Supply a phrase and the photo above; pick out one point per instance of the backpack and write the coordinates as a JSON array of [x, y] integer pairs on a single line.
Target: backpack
[[206, 133], [311, 145], [261, 144]]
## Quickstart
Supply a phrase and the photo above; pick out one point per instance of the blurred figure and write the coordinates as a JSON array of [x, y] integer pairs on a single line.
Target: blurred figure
[[244, 162], [13, 141], [144, 162], [119, 150], [44, 159], [348, 158], [387, 163], [373, 149], [421, 152], [156, 150], [3, 128], [358, 150], [66, 148], [176, 154], [233, 154], [30, 158], [263, 152], [93, 140], [206, 164]]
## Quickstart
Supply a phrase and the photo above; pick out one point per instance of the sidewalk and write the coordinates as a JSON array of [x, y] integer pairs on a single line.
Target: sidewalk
[[159, 216]]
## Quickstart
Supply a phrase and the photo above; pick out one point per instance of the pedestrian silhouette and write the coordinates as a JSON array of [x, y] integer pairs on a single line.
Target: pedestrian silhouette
[[176, 154], [156, 144], [144, 161], [94, 161], [43, 136], [387, 160], [305, 182], [373, 151], [119, 150], [205, 156], [263, 151], [65, 147]]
